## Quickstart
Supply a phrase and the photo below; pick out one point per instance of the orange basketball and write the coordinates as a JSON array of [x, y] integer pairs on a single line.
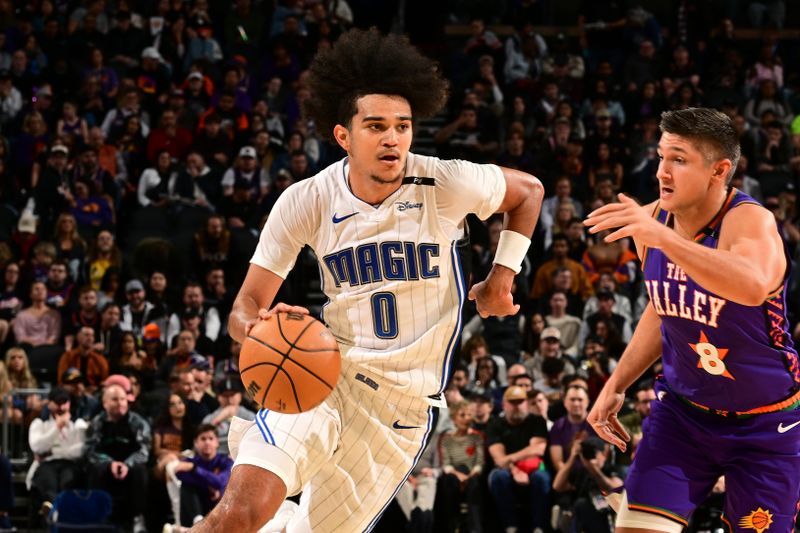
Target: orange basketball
[[289, 363]]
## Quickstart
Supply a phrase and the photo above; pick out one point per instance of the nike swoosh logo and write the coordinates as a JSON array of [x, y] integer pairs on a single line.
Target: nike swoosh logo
[[397, 425], [784, 429], [336, 219]]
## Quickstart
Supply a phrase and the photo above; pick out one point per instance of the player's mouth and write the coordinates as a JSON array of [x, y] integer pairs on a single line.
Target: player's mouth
[[390, 160], [666, 193]]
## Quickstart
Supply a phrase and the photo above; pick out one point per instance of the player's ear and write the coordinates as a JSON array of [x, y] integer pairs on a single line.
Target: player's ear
[[721, 169], [342, 136]]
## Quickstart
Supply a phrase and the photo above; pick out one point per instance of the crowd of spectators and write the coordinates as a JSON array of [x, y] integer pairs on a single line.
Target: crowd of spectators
[[183, 118]]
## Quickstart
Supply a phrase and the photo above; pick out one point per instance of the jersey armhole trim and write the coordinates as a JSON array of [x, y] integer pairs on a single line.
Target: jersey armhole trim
[[655, 214]]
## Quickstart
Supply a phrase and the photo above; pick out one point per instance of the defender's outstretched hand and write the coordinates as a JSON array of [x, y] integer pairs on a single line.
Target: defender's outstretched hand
[[630, 220], [603, 418]]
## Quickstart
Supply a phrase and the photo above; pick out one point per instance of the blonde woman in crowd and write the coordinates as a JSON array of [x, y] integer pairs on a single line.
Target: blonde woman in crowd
[[9, 407], [21, 377]]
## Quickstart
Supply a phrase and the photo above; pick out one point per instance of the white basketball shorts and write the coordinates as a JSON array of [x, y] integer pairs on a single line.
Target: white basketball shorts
[[349, 456]]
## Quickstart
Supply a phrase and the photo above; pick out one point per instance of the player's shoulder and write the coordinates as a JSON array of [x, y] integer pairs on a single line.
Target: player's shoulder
[[747, 218], [423, 166], [305, 200], [318, 186], [441, 170]]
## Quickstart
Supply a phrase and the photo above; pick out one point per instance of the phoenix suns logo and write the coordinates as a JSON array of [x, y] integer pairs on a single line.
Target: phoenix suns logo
[[760, 520]]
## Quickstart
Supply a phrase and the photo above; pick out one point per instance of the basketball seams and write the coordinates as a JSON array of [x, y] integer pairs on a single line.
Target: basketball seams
[[285, 357], [326, 360], [293, 344]]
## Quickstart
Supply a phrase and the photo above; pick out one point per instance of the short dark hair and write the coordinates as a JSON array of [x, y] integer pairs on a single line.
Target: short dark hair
[[366, 62], [205, 428], [513, 380], [709, 127]]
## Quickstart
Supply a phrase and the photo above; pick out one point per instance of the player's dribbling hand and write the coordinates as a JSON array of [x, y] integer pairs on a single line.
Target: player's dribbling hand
[[628, 219], [266, 314], [603, 418]]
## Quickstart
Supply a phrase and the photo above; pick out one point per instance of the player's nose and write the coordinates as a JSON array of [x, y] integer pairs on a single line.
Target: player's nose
[[390, 139], [661, 171]]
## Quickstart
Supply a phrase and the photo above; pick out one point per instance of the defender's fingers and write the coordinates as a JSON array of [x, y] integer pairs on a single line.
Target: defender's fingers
[[619, 428], [606, 209]]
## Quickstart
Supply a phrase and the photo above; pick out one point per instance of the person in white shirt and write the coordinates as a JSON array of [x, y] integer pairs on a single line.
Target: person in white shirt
[[246, 170], [57, 443]]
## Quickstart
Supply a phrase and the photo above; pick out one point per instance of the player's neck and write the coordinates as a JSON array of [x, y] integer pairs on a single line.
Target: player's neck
[[370, 190], [690, 220]]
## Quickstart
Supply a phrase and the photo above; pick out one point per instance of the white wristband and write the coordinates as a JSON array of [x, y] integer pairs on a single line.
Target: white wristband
[[511, 250]]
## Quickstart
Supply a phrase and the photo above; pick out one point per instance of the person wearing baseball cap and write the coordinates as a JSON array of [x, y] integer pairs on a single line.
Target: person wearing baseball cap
[[246, 172], [82, 404], [203, 388], [122, 381], [71, 376], [134, 285], [549, 347], [551, 333], [517, 443], [59, 148], [247, 151], [514, 395], [58, 440], [229, 393], [606, 300]]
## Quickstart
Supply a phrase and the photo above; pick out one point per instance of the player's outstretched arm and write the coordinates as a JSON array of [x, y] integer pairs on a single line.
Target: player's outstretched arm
[[522, 204], [254, 300], [745, 267], [251, 499], [643, 350]]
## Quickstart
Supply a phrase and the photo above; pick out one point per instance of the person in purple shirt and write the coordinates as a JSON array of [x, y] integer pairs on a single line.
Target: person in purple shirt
[[570, 427], [717, 272], [203, 476]]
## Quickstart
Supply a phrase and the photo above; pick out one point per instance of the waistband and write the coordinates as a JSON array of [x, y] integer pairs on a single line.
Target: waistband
[[789, 403]]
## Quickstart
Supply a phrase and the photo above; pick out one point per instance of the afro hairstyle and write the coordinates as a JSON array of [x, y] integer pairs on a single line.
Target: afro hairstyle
[[366, 62]]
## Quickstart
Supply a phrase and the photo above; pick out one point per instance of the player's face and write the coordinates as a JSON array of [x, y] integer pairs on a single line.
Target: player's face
[[378, 139], [684, 175]]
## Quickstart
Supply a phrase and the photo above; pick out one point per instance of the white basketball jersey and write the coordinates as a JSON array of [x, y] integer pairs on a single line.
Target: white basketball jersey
[[392, 273]]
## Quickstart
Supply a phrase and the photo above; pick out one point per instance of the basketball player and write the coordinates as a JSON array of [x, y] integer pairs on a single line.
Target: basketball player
[[716, 272], [387, 227]]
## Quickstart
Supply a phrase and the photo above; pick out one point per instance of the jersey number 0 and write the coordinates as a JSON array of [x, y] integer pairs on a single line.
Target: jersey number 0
[[384, 315]]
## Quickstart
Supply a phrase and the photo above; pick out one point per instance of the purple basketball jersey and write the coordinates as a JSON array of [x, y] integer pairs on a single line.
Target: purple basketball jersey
[[718, 354]]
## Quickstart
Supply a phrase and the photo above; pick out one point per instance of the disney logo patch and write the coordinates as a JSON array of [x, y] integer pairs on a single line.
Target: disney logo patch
[[402, 206]]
